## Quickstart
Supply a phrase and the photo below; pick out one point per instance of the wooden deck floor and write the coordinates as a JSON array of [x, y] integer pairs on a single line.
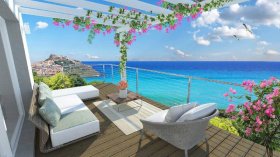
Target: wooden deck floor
[[112, 142]]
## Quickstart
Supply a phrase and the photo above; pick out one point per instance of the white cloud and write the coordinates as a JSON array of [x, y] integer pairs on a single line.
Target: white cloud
[[263, 43], [41, 25], [181, 53], [240, 32], [171, 48], [177, 51], [207, 18], [201, 40], [92, 56], [234, 7], [26, 28], [272, 53], [229, 21], [264, 12]]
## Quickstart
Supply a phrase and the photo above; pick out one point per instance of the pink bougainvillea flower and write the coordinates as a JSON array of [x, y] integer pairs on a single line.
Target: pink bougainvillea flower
[[130, 42], [263, 84], [160, 2], [248, 131], [241, 112], [275, 92], [67, 23], [248, 85], [230, 108], [245, 118], [256, 108], [273, 79], [269, 111], [173, 27], [97, 31], [257, 129], [56, 23], [93, 22], [232, 91], [226, 95], [259, 103], [269, 98], [179, 16], [76, 26], [247, 105], [166, 30], [117, 43], [144, 30], [87, 27], [132, 30], [258, 121], [158, 27], [83, 29], [109, 30], [233, 117]]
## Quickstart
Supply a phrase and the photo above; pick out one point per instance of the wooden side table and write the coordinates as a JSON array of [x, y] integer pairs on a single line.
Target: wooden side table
[[130, 97]]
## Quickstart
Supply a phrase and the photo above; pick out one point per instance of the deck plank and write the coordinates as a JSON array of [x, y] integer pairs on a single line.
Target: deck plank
[[112, 142]]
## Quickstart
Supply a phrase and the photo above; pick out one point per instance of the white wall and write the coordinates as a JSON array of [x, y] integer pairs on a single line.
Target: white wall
[[16, 80]]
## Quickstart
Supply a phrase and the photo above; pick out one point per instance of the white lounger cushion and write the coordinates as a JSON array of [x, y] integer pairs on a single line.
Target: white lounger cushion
[[76, 121], [175, 112], [69, 103], [84, 92], [73, 126], [198, 112]]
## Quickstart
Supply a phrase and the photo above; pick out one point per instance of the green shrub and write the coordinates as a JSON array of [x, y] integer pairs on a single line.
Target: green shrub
[[58, 81], [37, 79], [77, 80], [225, 124]]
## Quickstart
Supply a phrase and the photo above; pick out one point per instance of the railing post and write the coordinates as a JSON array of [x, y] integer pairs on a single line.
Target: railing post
[[189, 89], [137, 79], [112, 73], [104, 73]]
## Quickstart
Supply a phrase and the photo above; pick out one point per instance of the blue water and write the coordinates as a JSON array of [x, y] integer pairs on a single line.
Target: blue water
[[170, 90]]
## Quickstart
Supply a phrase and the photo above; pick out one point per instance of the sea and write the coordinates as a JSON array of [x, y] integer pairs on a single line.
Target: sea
[[173, 90]]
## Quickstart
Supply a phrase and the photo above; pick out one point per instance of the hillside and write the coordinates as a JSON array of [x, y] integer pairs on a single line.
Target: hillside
[[55, 64]]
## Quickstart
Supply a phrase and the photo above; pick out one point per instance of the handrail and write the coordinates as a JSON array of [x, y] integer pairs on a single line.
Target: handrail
[[177, 75], [156, 80]]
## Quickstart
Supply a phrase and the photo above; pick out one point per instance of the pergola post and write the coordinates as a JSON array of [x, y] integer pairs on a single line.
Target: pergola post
[[123, 58]]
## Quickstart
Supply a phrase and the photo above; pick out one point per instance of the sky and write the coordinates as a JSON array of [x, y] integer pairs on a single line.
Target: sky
[[208, 38]]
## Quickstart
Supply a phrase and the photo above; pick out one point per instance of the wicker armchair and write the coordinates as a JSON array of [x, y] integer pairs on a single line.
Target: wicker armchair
[[183, 135]]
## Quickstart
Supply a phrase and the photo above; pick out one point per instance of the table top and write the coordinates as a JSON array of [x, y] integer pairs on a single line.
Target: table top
[[130, 97]]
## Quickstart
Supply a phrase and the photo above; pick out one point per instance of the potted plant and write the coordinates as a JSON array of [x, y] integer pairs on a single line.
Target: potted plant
[[258, 118], [122, 89]]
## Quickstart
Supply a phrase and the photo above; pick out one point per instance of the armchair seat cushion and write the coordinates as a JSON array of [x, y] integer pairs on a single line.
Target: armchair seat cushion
[[83, 92]]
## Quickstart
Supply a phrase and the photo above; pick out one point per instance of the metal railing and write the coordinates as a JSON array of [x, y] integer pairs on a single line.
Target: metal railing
[[167, 88]]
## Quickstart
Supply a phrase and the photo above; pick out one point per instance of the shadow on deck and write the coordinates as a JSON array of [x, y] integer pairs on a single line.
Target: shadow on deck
[[113, 142]]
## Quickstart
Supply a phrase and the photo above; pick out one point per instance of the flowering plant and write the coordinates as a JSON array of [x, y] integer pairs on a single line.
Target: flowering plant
[[122, 85], [258, 119]]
